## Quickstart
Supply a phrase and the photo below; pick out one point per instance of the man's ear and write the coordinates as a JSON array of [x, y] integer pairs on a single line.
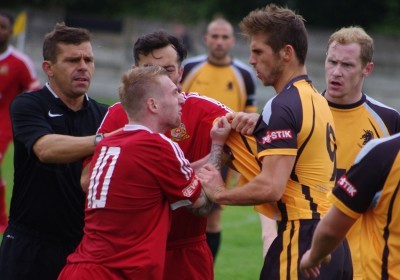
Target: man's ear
[[287, 52], [47, 68], [152, 105], [368, 69]]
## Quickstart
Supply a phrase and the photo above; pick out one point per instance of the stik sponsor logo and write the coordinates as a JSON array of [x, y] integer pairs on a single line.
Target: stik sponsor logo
[[276, 135], [189, 190], [344, 184]]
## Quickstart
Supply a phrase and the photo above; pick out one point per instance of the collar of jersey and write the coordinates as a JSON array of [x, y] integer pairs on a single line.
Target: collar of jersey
[[133, 127]]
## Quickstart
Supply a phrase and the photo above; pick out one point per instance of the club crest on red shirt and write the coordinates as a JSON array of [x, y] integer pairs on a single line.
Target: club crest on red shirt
[[179, 134]]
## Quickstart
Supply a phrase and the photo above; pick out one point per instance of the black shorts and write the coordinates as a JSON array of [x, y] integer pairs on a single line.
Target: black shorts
[[293, 240], [27, 254]]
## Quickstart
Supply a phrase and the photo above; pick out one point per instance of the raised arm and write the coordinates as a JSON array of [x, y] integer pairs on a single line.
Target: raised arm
[[219, 133]]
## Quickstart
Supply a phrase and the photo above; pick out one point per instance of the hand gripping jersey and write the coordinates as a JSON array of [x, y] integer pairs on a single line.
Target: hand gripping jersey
[[298, 122], [355, 125], [371, 189], [136, 175], [232, 85]]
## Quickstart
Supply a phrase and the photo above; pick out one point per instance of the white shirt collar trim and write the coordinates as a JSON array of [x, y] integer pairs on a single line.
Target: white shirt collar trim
[[133, 127], [55, 95]]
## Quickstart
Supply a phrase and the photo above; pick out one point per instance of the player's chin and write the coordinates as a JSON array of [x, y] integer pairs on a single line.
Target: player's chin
[[79, 91]]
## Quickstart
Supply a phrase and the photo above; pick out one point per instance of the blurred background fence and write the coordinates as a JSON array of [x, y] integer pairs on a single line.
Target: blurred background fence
[[113, 42]]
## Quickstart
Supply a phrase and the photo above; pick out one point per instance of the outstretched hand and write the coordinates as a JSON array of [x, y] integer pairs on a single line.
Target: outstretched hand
[[310, 268], [243, 122], [211, 180], [220, 131]]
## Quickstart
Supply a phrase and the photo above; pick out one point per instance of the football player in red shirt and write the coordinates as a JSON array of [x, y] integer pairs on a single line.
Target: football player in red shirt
[[137, 175], [188, 254], [17, 74]]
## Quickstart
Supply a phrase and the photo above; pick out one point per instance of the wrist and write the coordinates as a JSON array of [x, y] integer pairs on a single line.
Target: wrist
[[217, 193], [220, 143], [97, 138]]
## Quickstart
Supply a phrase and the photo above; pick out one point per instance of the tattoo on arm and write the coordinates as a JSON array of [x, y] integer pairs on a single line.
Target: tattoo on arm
[[205, 208], [216, 155]]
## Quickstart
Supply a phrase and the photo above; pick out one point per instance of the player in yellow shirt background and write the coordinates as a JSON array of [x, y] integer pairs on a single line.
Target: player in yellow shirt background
[[358, 118], [222, 77]]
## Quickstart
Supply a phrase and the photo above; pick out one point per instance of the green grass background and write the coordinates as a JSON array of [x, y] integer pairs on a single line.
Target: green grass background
[[240, 255]]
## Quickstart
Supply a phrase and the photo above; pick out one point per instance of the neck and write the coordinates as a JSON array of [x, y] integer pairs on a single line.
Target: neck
[[74, 102], [149, 123], [344, 100], [287, 76], [226, 60]]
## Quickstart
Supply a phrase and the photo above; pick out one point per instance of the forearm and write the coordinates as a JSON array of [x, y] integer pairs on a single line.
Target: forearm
[[331, 230], [199, 163], [329, 241], [268, 186], [216, 155], [56, 148], [252, 193]]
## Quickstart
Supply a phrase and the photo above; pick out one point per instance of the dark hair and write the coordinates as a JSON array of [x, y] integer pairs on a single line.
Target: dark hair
[[281, 25], [63, 34], [8, 16], [147, 43]]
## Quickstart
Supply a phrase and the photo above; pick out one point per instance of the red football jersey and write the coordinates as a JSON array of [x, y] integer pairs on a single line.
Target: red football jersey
[[198, 116], [17, 74], [136, 176]]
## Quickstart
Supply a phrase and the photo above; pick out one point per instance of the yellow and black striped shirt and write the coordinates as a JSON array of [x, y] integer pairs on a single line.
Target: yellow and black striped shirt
[[355, 125], [298, 122], [371, 188], [233, 84]]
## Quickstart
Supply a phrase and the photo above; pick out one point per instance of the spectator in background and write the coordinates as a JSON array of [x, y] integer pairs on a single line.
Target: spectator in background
[[53, 131], [358, 117], [17, 75], [220, 76]]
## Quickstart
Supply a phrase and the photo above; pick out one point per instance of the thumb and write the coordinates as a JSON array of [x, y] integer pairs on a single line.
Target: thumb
[[225, 121], [230, 116]]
